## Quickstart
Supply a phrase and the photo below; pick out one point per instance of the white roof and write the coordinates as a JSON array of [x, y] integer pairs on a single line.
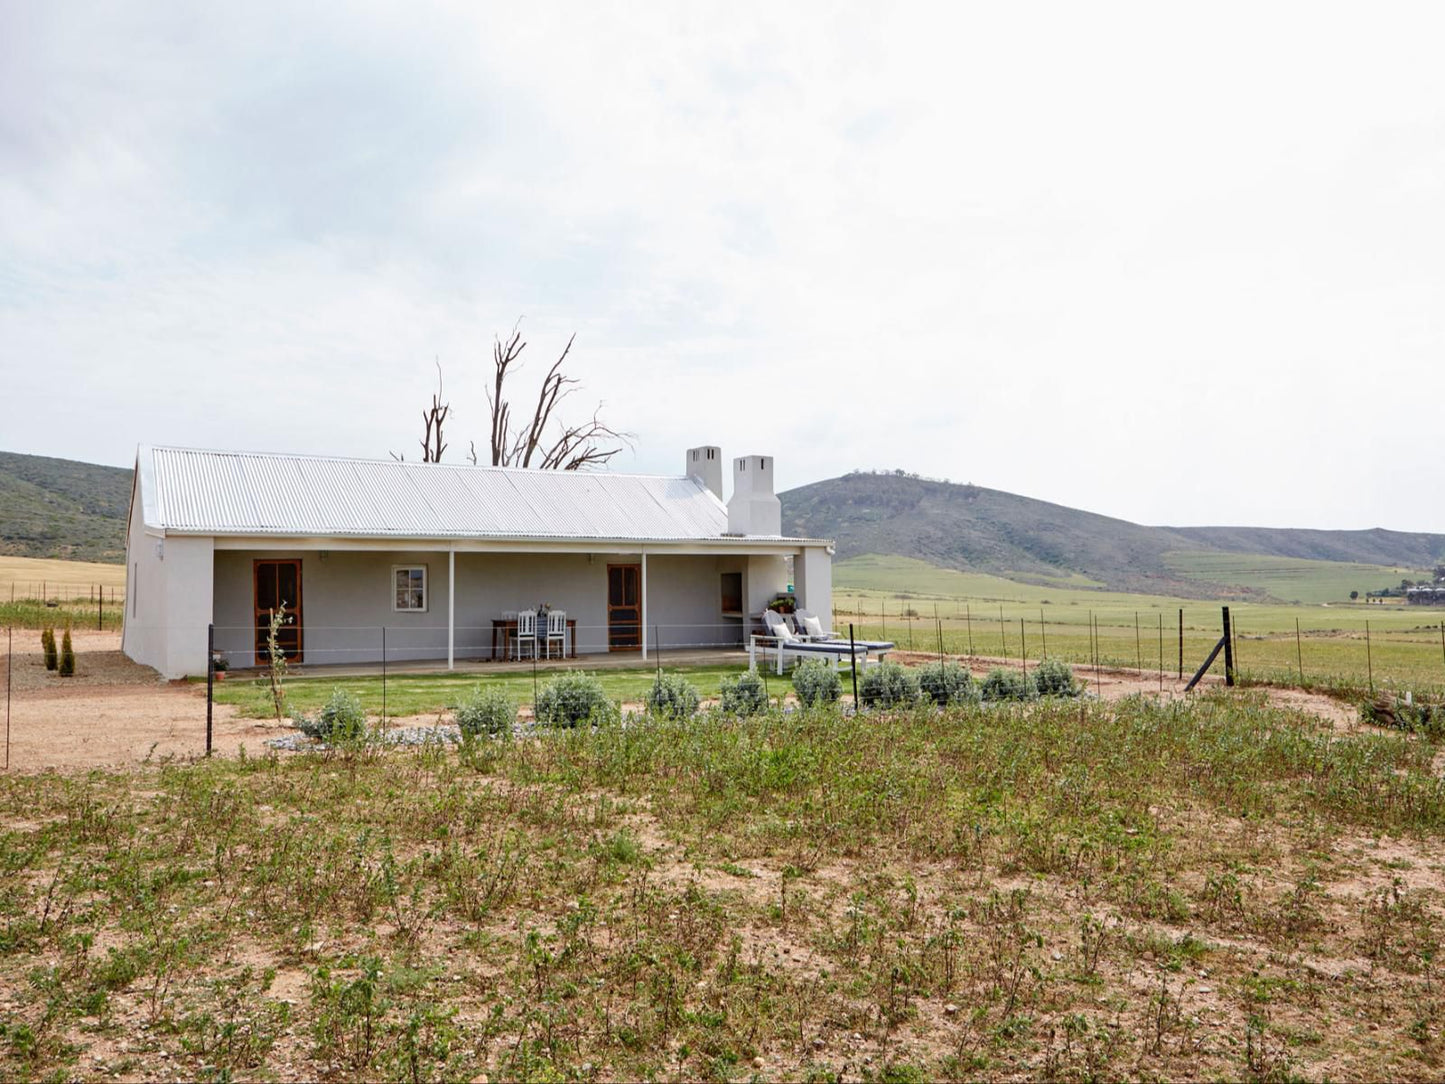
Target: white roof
[[190, 491]]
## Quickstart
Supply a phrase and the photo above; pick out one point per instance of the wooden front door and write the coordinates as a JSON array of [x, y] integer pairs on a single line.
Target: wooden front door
[[278, 583], [624, 607]]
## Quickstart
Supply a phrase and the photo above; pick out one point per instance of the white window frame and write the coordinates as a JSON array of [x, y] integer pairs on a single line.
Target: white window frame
[[425, 590]]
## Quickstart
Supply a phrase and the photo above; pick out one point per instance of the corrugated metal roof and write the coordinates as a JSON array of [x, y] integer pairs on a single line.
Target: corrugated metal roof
[[249, 493]]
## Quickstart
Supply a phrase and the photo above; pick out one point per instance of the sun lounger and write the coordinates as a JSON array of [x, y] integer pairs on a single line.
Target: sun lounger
[[857, 652]]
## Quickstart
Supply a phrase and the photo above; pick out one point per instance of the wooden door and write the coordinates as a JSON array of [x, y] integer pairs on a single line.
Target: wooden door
[[278, 583], [624, 607]]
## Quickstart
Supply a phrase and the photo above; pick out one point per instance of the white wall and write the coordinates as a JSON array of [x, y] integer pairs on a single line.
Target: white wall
[[168, 599], [813, 583], [347, 598], [143, 636]]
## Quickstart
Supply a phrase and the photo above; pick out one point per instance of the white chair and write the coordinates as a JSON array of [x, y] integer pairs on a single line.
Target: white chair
[[778, 627], [526, 633], [556, 630]]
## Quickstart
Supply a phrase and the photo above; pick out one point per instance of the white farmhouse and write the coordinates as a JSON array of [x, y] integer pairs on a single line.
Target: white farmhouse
[[378, 559]]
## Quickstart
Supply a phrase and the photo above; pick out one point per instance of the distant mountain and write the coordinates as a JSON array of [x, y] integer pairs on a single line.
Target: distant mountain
[[62, 508], [987, 530]]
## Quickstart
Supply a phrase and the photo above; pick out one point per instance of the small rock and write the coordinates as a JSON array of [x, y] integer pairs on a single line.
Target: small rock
[[1206, 989], [818, 1043], [757, 1063], [857, 1037], [950, 1009], [1056, 956]]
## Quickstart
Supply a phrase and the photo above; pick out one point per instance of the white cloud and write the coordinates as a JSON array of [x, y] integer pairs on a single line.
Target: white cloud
[[1181, 267]]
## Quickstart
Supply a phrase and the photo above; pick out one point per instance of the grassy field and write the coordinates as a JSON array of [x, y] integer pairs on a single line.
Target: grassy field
[[71, 588], [1288, 579], [878, 594], [1218, 890]]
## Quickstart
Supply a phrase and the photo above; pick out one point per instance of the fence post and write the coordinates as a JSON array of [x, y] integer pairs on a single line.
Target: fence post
[[9, 677], [1002, 635], [100, 611], [383, 675], [968, 617], [1138, 647], [210, 680], [1299, 652], [1369, 659], [1228, 651], [1181, 643], [1161, 652], [1023, 647], [1043, 632], [853, 658]]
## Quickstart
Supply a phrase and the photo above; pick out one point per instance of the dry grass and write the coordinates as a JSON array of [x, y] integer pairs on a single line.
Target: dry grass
[[1064, 890]]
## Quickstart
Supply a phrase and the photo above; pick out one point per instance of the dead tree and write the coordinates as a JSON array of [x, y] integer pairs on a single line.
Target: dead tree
[[531, 444]]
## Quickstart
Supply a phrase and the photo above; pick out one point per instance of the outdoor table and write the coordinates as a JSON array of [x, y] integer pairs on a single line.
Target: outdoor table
[[504, 628]]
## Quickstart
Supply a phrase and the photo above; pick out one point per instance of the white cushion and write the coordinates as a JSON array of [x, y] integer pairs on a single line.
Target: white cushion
[[778, 626], [812, 625]]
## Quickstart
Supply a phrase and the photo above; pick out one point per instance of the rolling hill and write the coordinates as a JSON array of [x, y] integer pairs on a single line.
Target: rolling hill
[[62, 508], [972, 528]]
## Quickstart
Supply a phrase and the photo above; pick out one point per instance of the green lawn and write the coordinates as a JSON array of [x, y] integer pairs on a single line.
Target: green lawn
[[423, 694]]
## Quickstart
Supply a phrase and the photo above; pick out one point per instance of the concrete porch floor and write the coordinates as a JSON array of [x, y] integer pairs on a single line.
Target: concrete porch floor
[[618, 660]]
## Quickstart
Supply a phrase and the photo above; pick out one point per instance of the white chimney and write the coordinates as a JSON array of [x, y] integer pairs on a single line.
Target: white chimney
[[753, 508], [705, 464]]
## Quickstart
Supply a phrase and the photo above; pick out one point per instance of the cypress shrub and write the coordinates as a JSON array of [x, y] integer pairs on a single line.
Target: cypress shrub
[[67, 654], [47, 645], [1001, 684], [1054, 677]]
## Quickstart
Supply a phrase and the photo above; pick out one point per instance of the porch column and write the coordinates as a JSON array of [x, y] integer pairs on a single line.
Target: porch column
[[644, 605], [451, 608]]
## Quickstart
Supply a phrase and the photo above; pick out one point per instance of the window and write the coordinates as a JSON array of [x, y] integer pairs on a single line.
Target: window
[[732, 592], [408, 587]]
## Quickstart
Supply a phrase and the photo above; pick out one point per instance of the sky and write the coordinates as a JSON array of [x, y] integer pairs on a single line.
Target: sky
[[1181, 264]]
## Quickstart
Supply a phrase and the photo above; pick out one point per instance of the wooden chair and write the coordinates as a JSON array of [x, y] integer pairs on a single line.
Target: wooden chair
[[526, 633], [556, 630]]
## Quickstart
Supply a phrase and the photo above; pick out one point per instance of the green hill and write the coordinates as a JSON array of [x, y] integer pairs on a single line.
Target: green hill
[[62, 508], [975, 529]]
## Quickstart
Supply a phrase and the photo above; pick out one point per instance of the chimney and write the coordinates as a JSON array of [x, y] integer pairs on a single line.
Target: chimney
[[705, 464], [753, 508]]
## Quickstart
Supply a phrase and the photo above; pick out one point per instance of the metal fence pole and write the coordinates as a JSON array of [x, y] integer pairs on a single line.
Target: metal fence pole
[[210, 680], [1369, 659], [1228, 651], [1299, 652], [383, 675], [853, 658], [9, 678]]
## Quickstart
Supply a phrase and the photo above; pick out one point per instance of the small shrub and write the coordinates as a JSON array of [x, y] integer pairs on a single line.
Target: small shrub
[[1055, 677], [572, 699], [946, 683], [67, 654], [47, 645], [1001, 684], [744, 694], [816, 682], [888, 685], [673, 697], [341, 719], [486, 711]]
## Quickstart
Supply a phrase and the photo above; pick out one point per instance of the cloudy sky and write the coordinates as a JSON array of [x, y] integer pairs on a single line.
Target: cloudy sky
[[1181, 264]]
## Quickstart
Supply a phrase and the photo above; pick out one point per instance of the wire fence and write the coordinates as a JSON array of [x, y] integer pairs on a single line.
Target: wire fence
[[42, 604]]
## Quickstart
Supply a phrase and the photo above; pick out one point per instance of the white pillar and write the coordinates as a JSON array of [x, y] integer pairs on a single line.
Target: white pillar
[[644, 605], [451, 608]]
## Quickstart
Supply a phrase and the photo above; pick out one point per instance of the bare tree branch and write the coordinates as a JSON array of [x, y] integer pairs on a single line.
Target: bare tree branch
[[542, 441]]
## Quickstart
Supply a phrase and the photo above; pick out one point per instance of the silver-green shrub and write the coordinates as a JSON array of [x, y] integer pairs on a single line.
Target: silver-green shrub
[[572, 699], [673, 696], [744, 694], [1054, 677], [1001, 684], [341, 719], [485, 711], [888, 685], [945, 682], [816, 682]]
